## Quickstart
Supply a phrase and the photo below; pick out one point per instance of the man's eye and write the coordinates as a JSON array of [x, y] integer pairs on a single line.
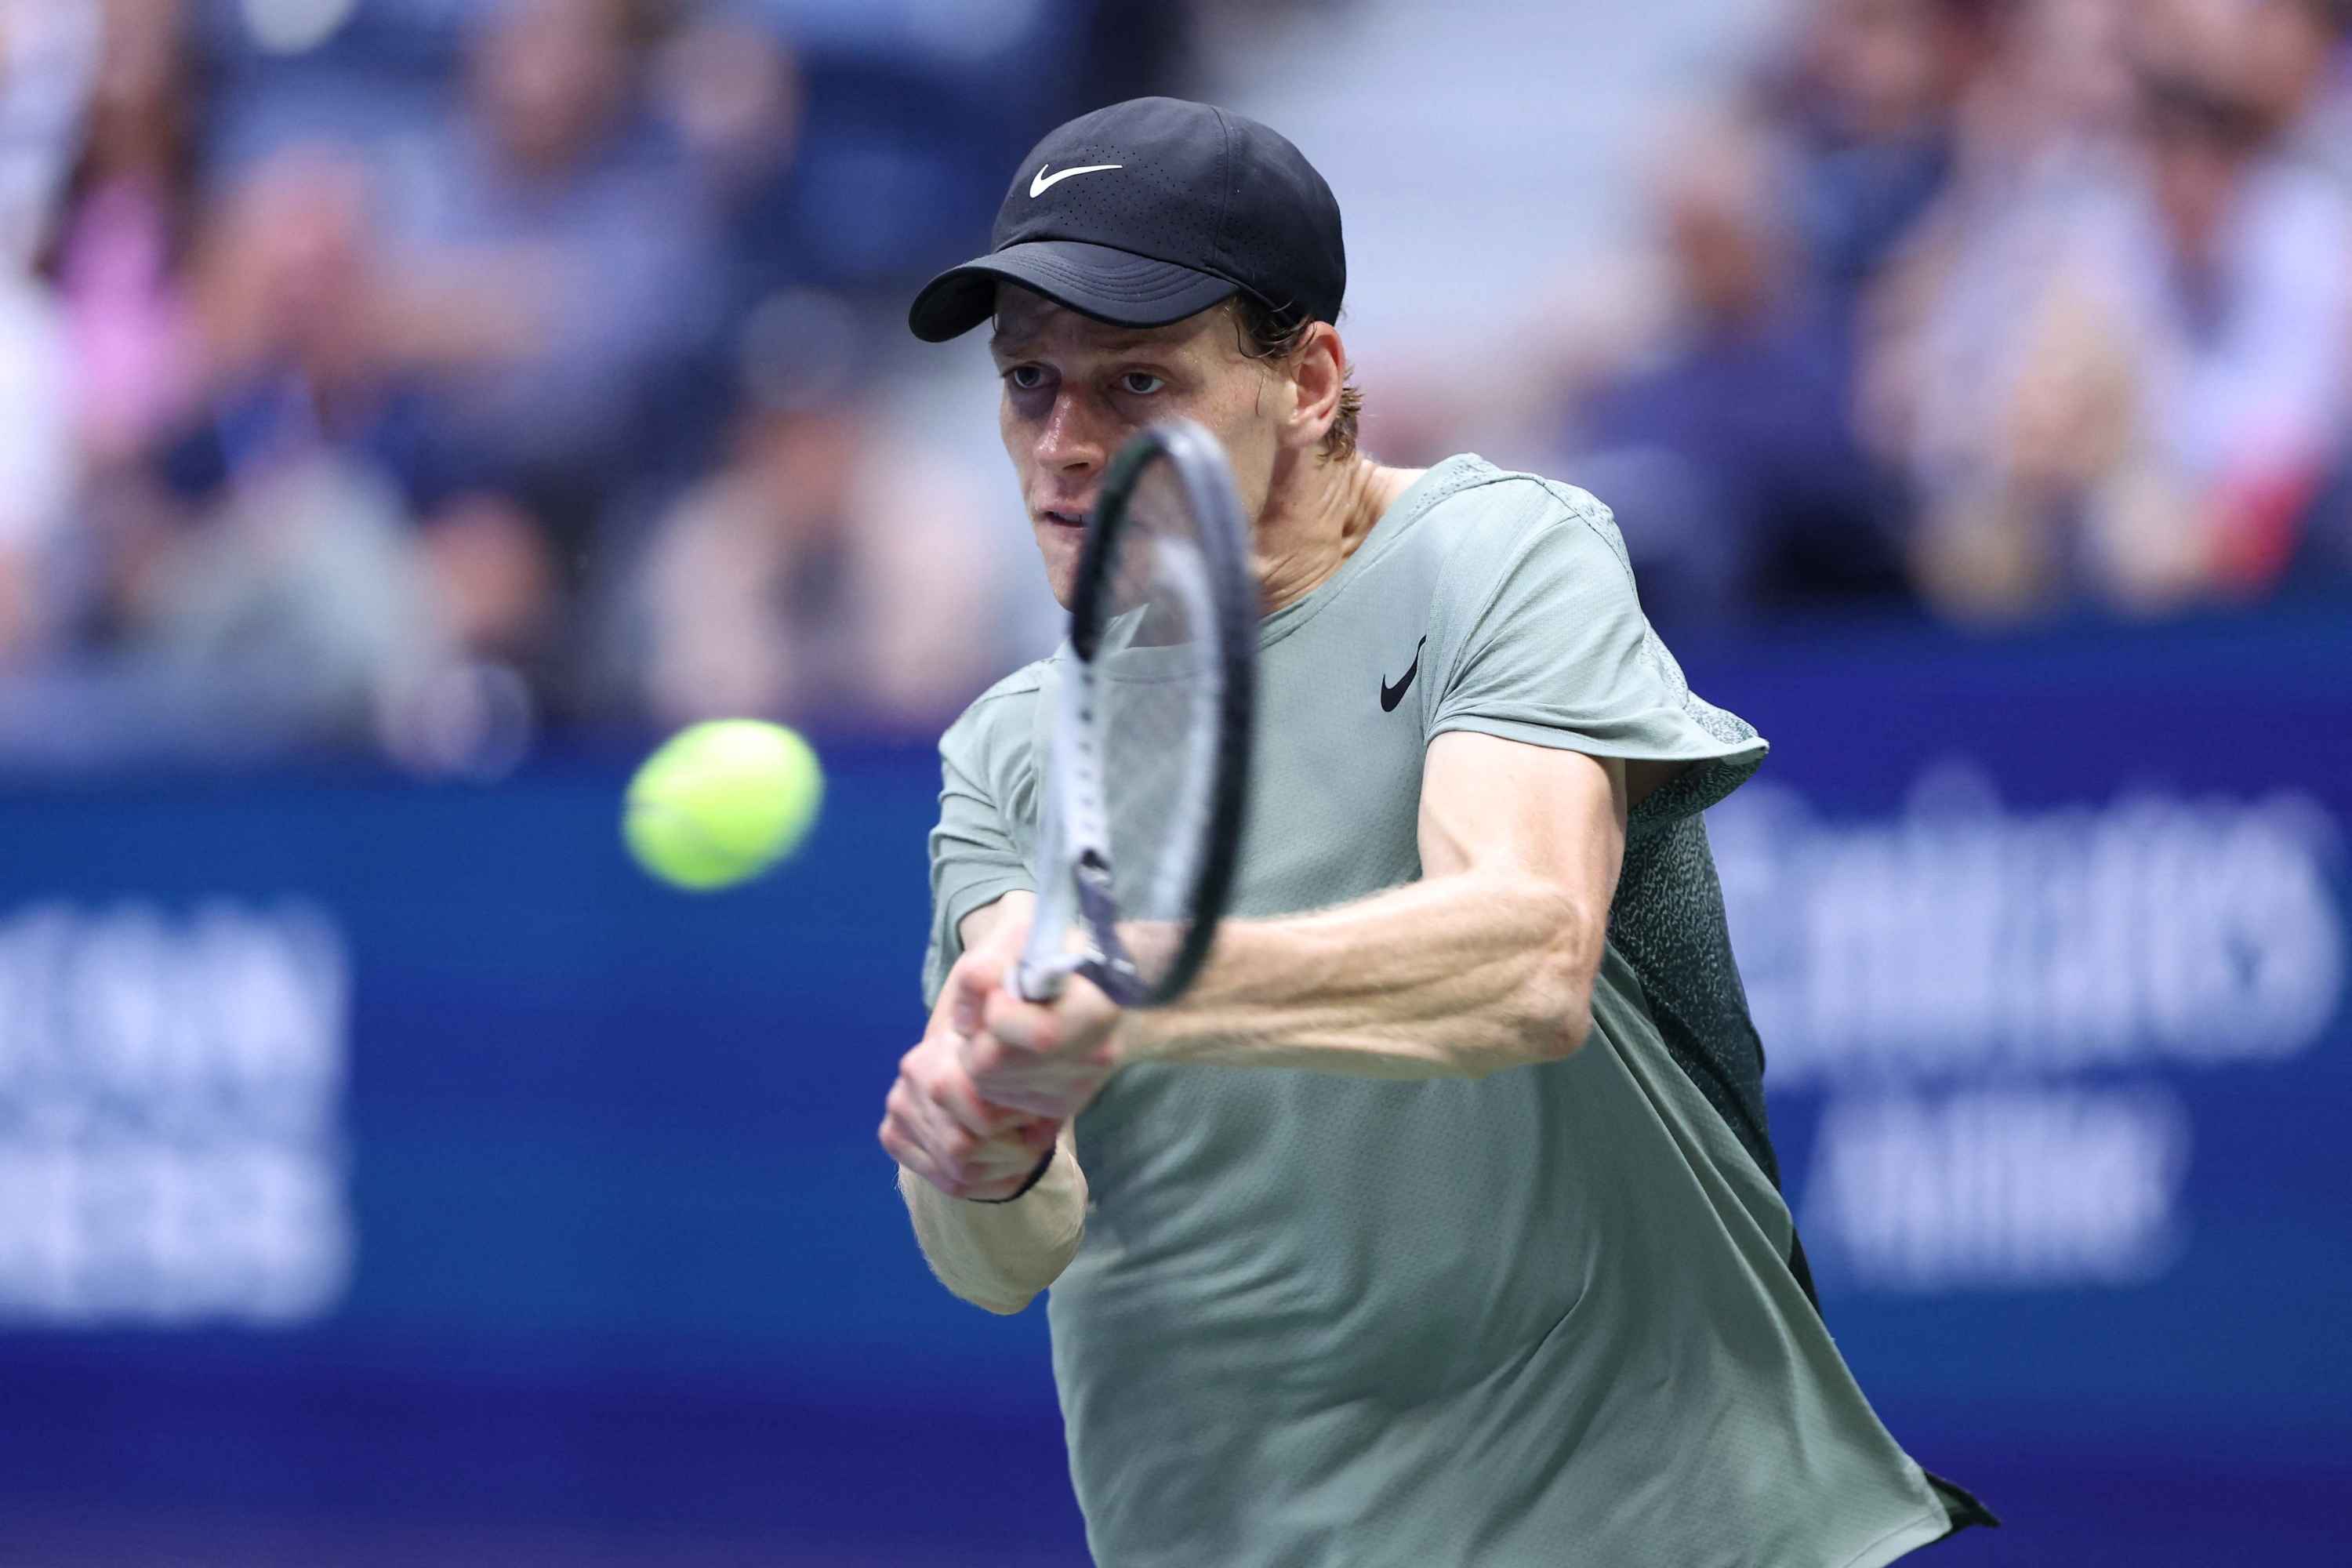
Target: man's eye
[[1027, 377], [1141, 383]]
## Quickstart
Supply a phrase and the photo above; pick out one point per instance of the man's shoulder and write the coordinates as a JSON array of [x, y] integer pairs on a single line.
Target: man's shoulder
[[1016, 690], [1480, 527], [1478, 512], [999, 717]]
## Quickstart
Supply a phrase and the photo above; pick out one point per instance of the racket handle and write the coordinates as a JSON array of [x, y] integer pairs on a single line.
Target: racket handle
[[1040, 982]]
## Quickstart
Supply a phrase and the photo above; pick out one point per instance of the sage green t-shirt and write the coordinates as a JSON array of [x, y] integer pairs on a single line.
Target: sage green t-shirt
[[1542, 1318]]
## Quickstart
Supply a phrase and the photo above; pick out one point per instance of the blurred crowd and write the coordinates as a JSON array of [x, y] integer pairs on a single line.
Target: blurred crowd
[[2016, 308], [419, 374]]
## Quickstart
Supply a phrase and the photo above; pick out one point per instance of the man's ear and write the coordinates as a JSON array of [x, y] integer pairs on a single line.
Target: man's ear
[[1319, 371]]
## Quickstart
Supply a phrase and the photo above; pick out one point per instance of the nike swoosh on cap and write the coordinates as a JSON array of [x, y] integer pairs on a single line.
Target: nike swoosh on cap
[[1038, 185]]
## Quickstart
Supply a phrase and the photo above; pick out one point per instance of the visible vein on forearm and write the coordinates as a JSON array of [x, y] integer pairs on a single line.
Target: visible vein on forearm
[[1457, 976]]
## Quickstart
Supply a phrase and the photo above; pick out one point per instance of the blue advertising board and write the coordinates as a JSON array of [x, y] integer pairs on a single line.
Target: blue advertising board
[[377, 1151], [2047, 942]]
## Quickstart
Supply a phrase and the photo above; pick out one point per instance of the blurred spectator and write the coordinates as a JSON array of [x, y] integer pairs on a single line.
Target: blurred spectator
[[830, 570], [2284, 60], [47, 53], [1731, 454], [305, 540], [556, 168], [123, 236], [288, 577], [1869, 103], [1729, 457], [732, 91], [36, 470], [2125, 378]]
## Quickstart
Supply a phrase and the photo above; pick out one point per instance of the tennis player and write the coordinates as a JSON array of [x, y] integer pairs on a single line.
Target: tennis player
[[1439, 1222]]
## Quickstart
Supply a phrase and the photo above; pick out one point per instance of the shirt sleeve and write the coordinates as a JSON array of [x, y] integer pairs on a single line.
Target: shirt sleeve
[[976, 851], [1539, 639]]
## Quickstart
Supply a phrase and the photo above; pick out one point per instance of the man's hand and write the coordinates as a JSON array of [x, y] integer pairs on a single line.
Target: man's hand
[[1046, 1058], [981, 1098], [937, 1125], [953, 1142], [937, 1122]]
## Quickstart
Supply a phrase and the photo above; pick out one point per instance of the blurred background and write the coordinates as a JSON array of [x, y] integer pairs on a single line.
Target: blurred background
[[411, 408]]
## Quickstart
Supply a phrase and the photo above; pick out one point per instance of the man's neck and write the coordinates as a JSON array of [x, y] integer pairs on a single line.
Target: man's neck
[[1316, 513]]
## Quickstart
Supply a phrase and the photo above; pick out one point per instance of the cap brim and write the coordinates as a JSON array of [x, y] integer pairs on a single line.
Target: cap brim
[[1114, 286]]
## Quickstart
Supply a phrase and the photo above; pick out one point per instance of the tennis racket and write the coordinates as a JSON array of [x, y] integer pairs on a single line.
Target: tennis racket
[[1149, 767]]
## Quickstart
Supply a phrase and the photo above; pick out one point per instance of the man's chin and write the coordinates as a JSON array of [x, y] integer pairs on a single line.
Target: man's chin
[[1061, 558]]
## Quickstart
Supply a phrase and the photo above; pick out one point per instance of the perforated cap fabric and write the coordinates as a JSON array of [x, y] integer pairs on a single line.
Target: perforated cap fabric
[[1150, 211]]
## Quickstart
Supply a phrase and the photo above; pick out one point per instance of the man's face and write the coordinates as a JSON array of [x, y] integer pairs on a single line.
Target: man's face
[[550, 75], [1076, 389]]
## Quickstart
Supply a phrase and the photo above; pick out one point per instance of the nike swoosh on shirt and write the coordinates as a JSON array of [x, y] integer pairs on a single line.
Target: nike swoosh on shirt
[[1393, 695], [1038, 185]]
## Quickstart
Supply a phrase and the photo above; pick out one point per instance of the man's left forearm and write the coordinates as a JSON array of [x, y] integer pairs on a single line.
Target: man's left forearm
[[999, 1256], [1455, 976], [1486, 962]]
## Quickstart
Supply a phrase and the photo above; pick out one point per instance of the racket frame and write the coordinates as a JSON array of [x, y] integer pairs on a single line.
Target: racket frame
[[1076, 894]]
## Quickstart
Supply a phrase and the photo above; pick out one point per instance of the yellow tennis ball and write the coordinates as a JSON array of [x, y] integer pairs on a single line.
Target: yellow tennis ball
[[716, 804]]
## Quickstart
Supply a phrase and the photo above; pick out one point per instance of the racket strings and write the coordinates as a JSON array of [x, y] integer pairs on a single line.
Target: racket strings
[[1155, 695]]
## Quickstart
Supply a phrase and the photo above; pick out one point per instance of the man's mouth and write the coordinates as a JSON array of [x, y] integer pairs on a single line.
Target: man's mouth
[[1074, 520]]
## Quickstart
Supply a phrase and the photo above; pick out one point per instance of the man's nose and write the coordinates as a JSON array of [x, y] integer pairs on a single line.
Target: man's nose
[[1074, 438]]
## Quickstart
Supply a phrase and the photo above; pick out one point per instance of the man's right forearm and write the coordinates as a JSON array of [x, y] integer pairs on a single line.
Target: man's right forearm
[[999, 1256]]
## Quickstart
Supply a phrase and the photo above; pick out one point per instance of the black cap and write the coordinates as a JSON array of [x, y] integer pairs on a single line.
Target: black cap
[[1150, 211]]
